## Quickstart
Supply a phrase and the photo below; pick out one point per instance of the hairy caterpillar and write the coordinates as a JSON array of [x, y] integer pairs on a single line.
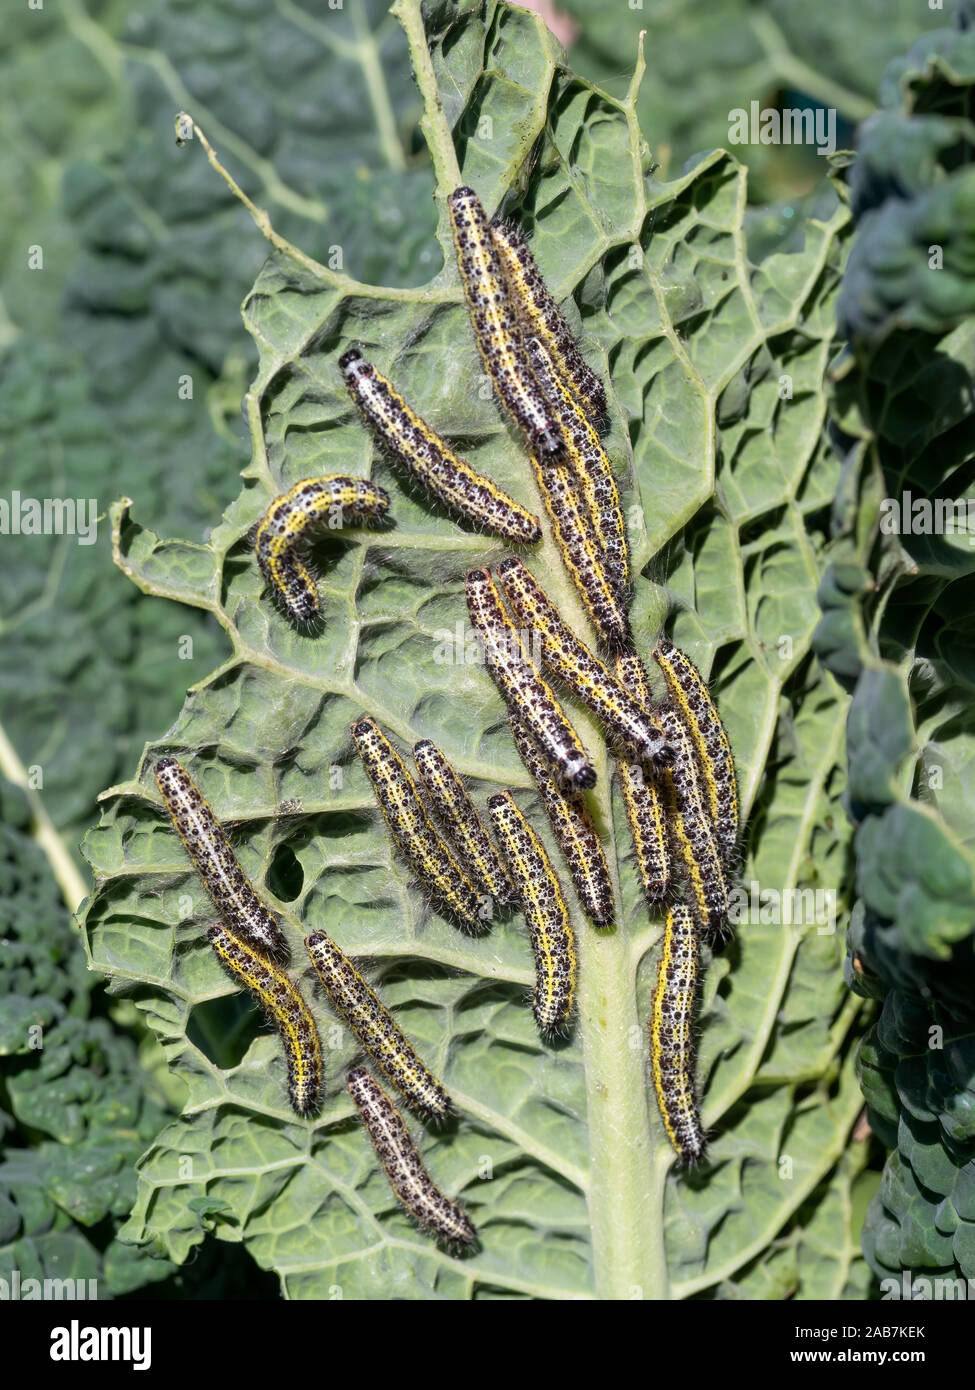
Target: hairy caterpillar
[[542, 318], [571, 660], [284, 1007], [460, 821], [375, 1028], [430, 459], [495, 323], [213, 858], [522, 687], [285, 527], [412, 828], [573, 829], [716, 761], [586, 456], [672, 1035], [543, 903], [641, 796], [692, 830], [403, 1166], [581, 553]]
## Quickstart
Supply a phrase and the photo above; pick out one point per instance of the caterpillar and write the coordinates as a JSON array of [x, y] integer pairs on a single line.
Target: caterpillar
[[581, 553], [375, 1028], [460, 821], [716, 762], [284, 1007], [403, 1166], [672, 1035], [541, 317], [522, 687], [495, 323], [687, 867], [430, 460], [412, 828], [546, 914], [571, 660], [284, 530], [692, 831], [213, 858], [573, 829], [586, 456], [641, 797]]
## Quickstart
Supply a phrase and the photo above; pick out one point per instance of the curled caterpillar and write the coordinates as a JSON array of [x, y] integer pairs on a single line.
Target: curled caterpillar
[[522, 687], [672, 1035], [205, 841], [411, 827], [573, 829], [375, 1028], [429, 458], [403, 1166], [547, 917], [716, 762], [540, 317], [581, 552], [284, 1007], [586, 456], [285, 528], [641, 795], [571, 660], [460, 821], [495, 323]]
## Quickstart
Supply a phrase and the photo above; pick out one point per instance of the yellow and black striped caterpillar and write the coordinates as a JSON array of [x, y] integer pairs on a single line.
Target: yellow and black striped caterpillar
[[375, 1027], [403, 1166], [205, 841], [581, 551], [495, 323], [411, 827], [573, 829], [642, 796], [540, 317], [716, 763], [543, 903], [430, 459], [522, 687], [672, 1034], [460, 822], [567, 657], [285, 529], [693, 843], [587, 458], [285, 1008]]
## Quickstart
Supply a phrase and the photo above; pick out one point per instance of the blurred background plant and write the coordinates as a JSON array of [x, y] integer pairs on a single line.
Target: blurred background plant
[[123, 361], [898, 632]]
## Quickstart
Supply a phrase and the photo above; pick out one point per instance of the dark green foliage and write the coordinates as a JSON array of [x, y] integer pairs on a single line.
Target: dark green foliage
[[898, 632]]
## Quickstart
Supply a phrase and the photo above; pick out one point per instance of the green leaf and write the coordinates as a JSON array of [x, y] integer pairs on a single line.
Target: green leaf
[[716, 426]]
